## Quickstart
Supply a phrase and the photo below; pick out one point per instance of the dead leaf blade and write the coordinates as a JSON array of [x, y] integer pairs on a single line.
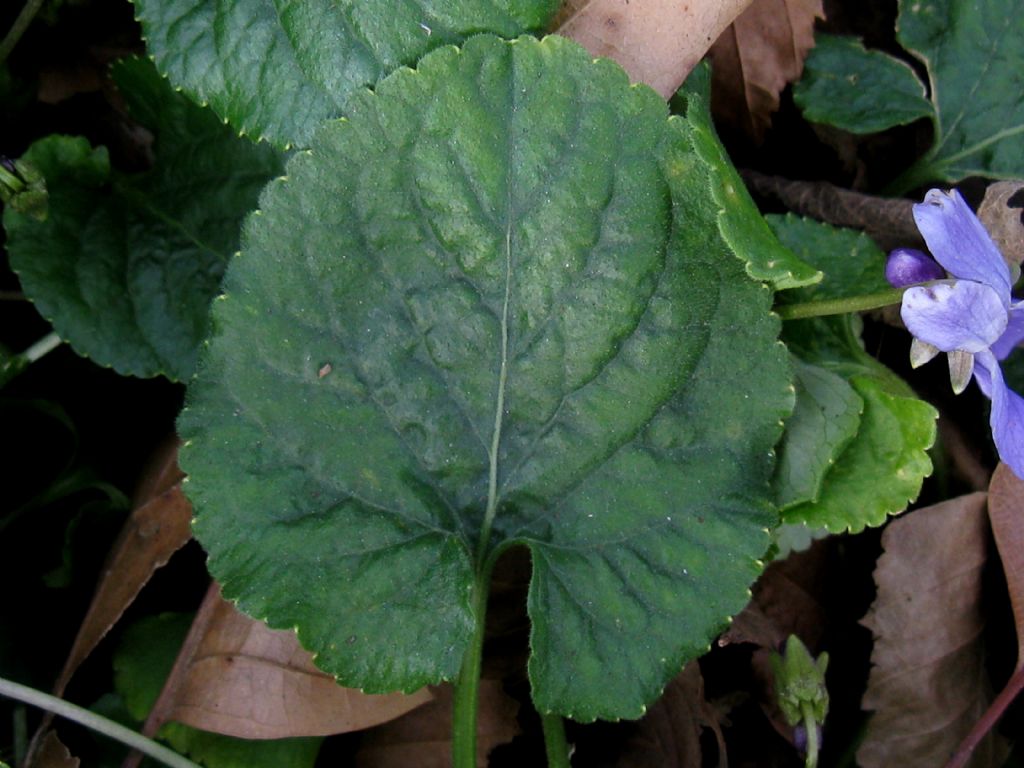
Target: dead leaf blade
[[657, 42], [928, 683]]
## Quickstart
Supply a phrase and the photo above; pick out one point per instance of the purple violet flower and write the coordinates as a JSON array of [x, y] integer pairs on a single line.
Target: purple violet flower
[[971, 316]]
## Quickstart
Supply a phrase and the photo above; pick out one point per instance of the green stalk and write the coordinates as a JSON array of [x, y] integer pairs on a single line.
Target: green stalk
[[839, 306], [28, 12], [96, 722], [467, 686], [555, 745], [812, 735]]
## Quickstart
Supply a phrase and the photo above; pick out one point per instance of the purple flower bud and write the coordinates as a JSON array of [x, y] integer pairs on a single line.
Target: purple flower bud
[[909, 266]]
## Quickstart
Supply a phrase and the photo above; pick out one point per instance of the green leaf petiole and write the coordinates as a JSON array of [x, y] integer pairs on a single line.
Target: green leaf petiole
[[801, 310], [96, 722]]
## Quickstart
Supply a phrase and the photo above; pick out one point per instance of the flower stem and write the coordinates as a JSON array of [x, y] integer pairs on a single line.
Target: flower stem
[[96, 722], [467, 685], [811, 725], [839, 306], [988, 721], [28, 12], [554, 741], [48, 343]]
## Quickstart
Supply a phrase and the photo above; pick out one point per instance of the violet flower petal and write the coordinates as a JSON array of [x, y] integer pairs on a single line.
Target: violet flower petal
[[959, 242], [1007, 418], [907, 266], [1012, 336], [955, 315]]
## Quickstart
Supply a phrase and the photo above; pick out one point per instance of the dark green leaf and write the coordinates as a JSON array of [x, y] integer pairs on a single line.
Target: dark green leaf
[[851, 262], [974, 52], [125, 266], [508, 317], [143, 661], [275, 69], [858, 90]]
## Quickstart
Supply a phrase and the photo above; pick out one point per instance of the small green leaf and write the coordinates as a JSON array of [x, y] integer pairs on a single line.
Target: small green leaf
[[508, 318], [974, 52], [125, 267], [881, 469], [275, 69], [740, 222], [880, 472], [143, 661], [826, 418], [858, 90]]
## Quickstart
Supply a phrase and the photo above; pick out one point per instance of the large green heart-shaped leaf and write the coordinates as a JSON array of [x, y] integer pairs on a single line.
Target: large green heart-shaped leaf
[[125, 266], [493, 307], [275, 69]]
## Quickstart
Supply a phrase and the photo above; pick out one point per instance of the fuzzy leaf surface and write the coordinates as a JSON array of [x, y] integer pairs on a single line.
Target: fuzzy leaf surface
[[275, 69], [858, 90], [125, 266], [509, 318]]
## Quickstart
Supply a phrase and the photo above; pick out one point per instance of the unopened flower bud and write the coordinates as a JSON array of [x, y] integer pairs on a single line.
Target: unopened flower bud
[[909, 266]]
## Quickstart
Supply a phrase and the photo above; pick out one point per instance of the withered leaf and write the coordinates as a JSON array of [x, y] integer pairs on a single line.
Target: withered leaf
[[1006, 514], [657, 42], [53, 754], [157, 528], [1002, 213], [757, 56], [669, 734], [235, 676], [423, 737], [928, 683]]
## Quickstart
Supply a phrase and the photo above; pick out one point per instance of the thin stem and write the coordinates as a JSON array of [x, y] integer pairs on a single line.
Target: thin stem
[[811, 726], [467, 686], [555, 745], [96, 722], [48, 343], [839, 306], [28, 12], [987, 722]]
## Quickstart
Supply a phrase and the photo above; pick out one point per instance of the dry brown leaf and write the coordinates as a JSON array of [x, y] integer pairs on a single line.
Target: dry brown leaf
[[928, 684], [423, 738], [669, 734], [754, 59], [236, 676], [657, 42], [53, 754], [1006, 514], [158, 526], [1002, 213]]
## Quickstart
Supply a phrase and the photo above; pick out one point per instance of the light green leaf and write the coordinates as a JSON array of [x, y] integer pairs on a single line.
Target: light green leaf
[[974, 52], [508, 318], [741, 224], [825, 420], [125, 266], [143, 661], [858, 90], [882, 467], [275, 69], [881, 471]]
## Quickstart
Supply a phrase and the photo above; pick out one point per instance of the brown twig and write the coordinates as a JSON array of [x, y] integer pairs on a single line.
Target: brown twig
[[888, 221]]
